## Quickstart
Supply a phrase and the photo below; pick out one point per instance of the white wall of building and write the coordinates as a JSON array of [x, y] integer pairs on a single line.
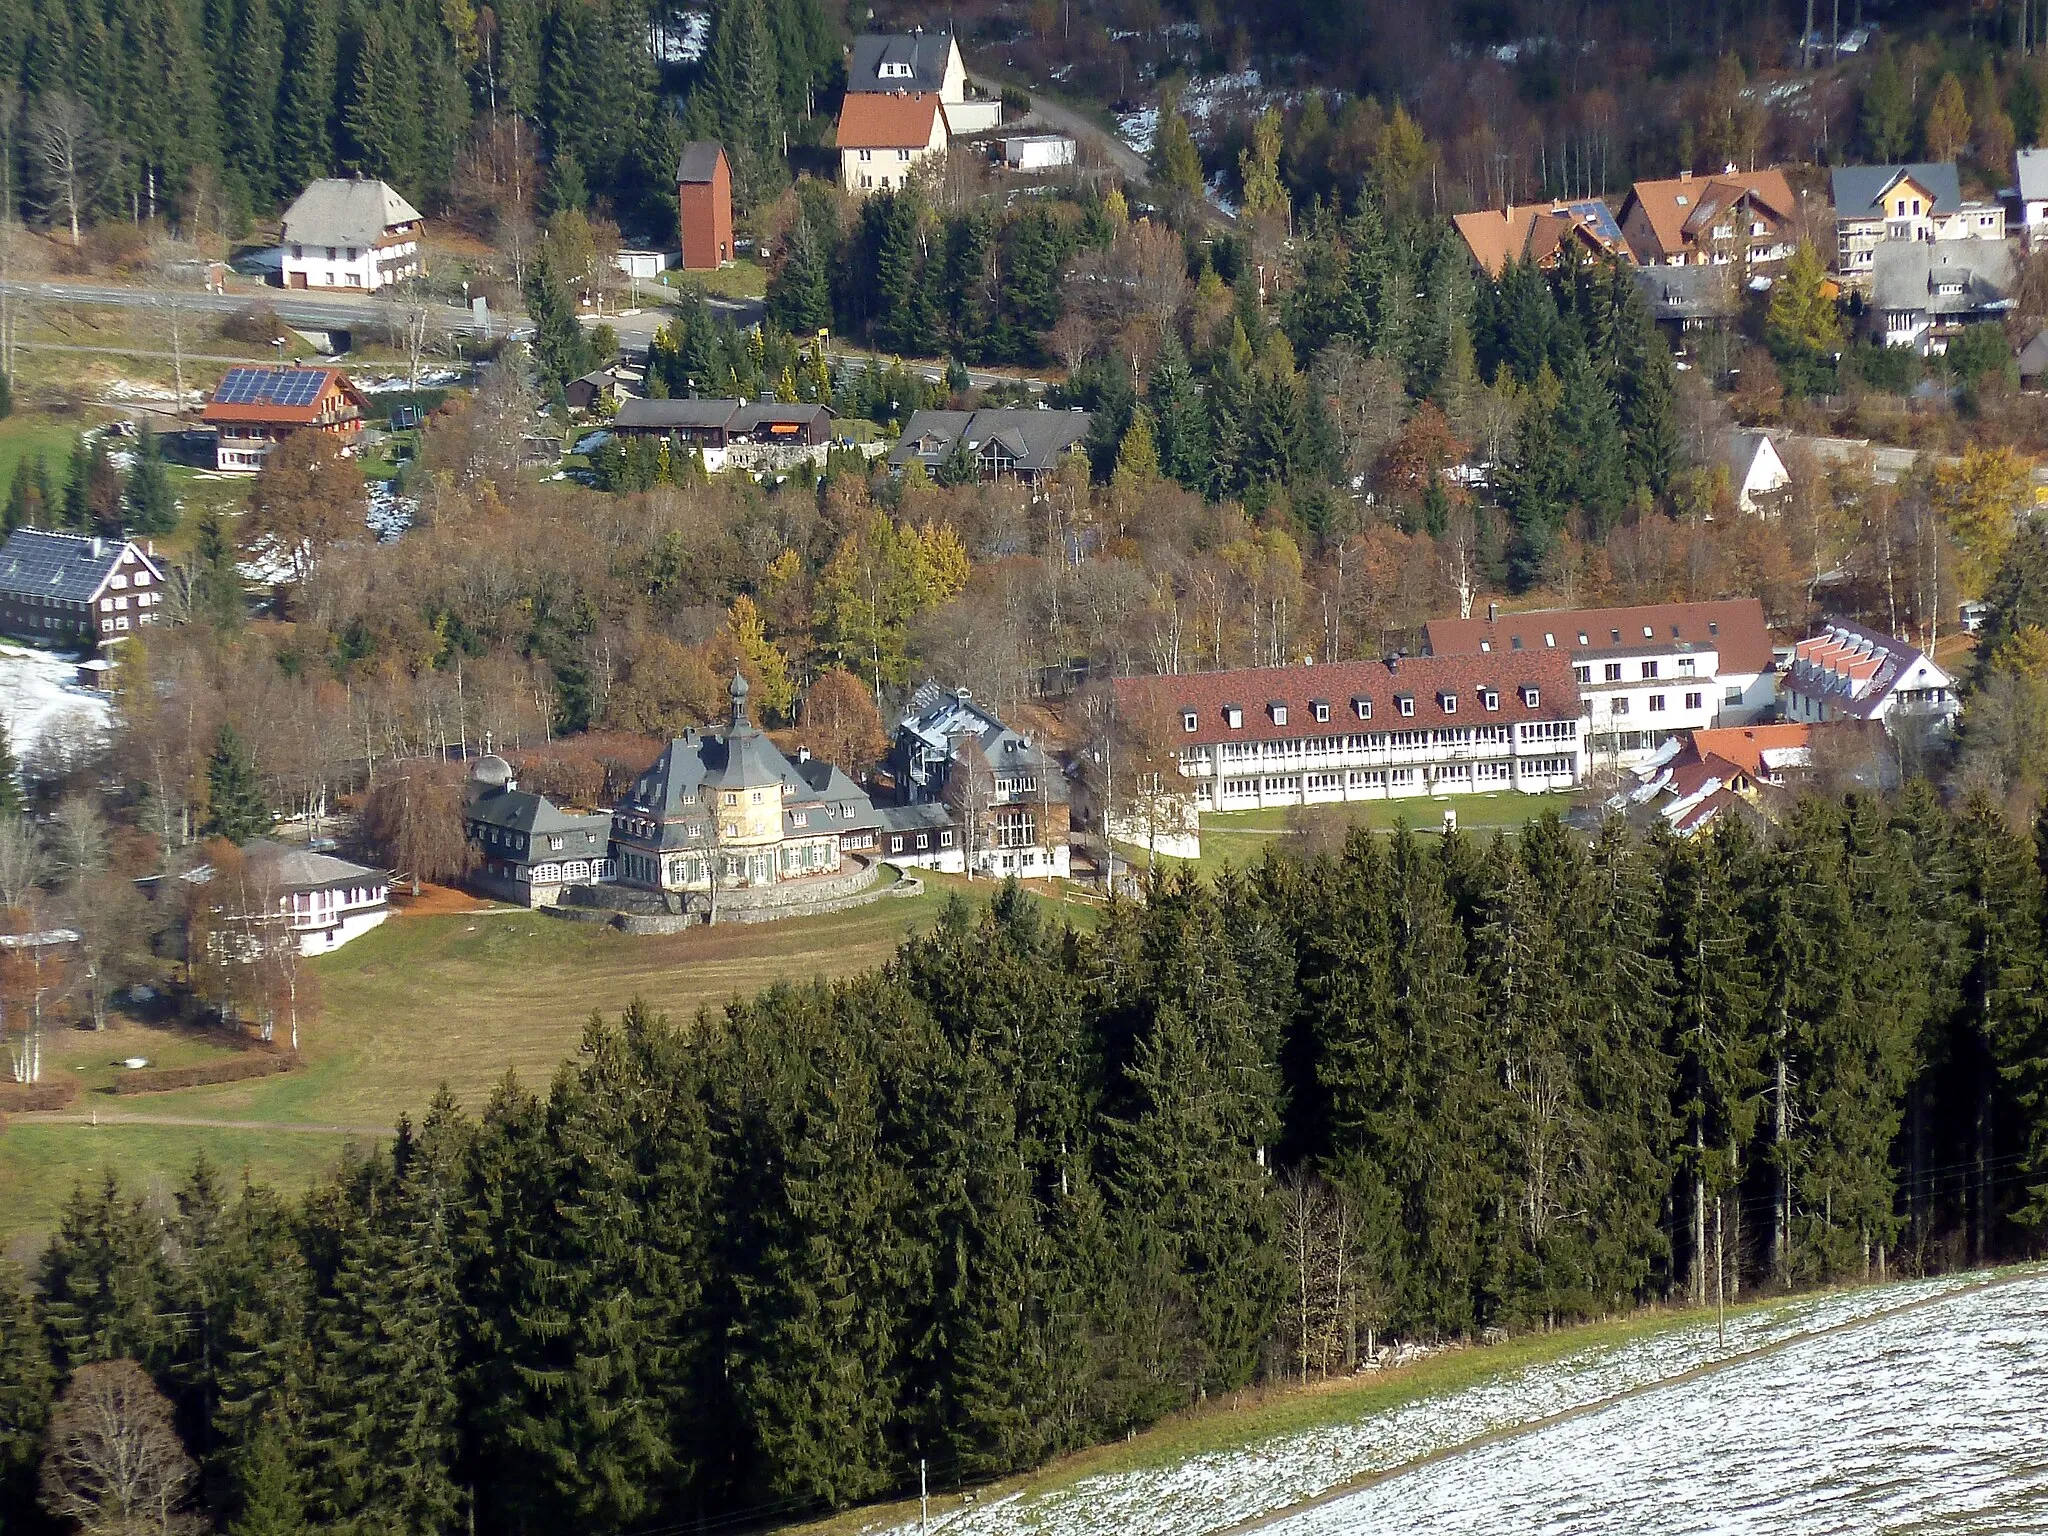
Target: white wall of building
[[363, 267]]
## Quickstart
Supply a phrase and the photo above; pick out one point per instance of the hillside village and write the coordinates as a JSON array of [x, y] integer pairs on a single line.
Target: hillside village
[[766, 758]]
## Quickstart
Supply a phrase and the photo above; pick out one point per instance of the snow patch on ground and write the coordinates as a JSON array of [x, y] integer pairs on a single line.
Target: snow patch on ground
[[390, 514], [387, 384], [1926, 1422], [135, 389], [41, 700], [1224, 1488], [591, 442], [1139, 129]]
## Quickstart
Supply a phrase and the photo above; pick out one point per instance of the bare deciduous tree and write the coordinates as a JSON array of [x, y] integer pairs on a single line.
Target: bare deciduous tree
[[23, 864], [71, 156], [114, 1462]]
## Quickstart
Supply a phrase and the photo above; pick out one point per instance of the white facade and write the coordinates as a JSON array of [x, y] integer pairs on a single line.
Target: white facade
[[363, 267], [1637, 699], [1036, 151], [644, 266], [1757, 473], [939, 849], [323, 920], [1533, 757]]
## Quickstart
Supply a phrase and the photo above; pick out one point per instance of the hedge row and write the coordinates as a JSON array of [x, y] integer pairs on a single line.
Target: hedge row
[[24, 1097], [233, 1069]]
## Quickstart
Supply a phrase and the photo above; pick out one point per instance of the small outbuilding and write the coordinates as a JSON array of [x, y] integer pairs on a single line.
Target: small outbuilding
[[704, 207]]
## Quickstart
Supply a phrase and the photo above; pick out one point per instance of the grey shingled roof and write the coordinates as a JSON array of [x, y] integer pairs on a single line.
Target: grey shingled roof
[[521, 810], [300, 869], [1909, 275], [1035, 439], [2033, 168], [699, 161], [657, 414], [749, 418], [926, 53], [337, 211], [66, 566], [1858, 187], [940, 718], [1689, 293]]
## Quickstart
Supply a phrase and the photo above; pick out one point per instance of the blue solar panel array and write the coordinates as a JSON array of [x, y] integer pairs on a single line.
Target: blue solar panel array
[[270, 386], [1596, 213]]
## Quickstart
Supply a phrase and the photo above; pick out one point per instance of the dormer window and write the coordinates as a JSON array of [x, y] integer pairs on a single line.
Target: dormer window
[[1362, 708], [1713, 626], [1582, 637], [894, 70], [1549, 641], [1489, 698], [1405, 703], [1674, 631], [1531, 697], [1486, 645], [1649, 633], [1515, 643], [1188, 720], [1448, 702], [1616, 634], [1278, 711], [1233, 716]]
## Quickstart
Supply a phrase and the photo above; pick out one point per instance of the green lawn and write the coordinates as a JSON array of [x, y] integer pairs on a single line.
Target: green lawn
[[28, 433], [1238, 838], [424, 1001], [743, 279], [40, 1164]]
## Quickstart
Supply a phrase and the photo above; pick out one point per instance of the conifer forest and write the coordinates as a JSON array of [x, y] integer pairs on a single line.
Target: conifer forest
[[1025, 1188]]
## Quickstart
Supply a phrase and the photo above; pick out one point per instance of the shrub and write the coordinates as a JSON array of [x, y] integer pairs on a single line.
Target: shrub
[[257, 324], [233, 1069], [22, 1098]]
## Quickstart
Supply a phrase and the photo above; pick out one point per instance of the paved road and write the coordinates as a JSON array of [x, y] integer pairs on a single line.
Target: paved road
[[294, 306], [190, 357], [1889, 464], [1127, 161]]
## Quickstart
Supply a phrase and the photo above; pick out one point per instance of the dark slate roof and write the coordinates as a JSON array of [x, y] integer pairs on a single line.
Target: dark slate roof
[[66, 566], [676, 413], [1858, 187], [940, 718], [923, 817], [750, 418], [521, 810], [1690, 293], [1036, 439], [925, 52], [699, 161], [339, 211]]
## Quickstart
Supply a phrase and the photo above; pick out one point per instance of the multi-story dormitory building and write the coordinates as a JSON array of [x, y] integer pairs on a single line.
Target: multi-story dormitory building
[[1646, 674], [1365, 730]]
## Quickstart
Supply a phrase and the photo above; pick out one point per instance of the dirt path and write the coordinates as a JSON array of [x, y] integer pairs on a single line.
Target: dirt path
[[1582, 1410], [194, 1122]]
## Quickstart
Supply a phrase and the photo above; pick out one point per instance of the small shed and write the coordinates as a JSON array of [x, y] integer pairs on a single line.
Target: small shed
[[1036, 151], [644, 266]]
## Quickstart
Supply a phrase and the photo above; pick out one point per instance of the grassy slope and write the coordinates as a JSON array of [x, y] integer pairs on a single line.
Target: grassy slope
[[1238, 838], [420, 1002], [1247, 1418]]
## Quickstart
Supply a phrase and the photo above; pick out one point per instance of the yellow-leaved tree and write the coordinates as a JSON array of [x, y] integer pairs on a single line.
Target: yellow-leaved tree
[[1979, 499], [767, 669], [884, 577]]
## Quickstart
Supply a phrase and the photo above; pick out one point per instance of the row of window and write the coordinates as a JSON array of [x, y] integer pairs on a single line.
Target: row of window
[[1611, 670], [1613, 635], [1361, 707], [1383, 741], [1501, 772], [1619, 704]]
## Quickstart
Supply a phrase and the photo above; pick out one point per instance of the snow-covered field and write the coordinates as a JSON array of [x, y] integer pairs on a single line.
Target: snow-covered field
[[1934, 1421], [1213, 1492], [40, 698]]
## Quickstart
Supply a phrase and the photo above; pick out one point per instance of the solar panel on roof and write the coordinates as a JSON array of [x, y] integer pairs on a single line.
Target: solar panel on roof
[[270, 386]]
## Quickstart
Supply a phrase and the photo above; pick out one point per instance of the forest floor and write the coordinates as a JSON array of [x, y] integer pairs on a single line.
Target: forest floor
[[434, 996]]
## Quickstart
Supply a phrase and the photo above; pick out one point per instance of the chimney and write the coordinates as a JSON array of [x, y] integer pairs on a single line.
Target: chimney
[[1492, 612], [803, 754], [1685, 175]]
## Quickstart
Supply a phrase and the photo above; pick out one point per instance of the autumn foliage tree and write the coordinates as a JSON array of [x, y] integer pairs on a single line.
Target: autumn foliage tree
[[307, 499], [840, 721], [413, 821]]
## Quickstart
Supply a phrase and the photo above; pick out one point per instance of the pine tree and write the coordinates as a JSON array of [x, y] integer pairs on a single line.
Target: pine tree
[[26, 1385], [1181, 421], [560, 347], [152, 505], [306, 104], [384, 113], [267, 1497], [103, 1281], [1176, 164], [566, 188], [78, 512], [800, 290], [235, 808], [254, 88], [743, 97], [217, 593]]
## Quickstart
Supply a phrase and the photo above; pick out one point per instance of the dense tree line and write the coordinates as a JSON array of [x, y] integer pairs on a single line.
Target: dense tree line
[[1024, 1188], [206, 108]]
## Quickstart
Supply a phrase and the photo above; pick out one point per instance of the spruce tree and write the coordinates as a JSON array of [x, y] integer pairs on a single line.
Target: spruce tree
[[235, 808], [561, 348], [267, 1497], [11, 802], [742, 95], [254, 88], [78, 487], [217, 593], [26, 1386], [1180, 421], [307, 96], [800, 290], [6, 394], [103, 1281], [1590, 436], [24, 505], [152, 506], [566, 188], [383, 111]]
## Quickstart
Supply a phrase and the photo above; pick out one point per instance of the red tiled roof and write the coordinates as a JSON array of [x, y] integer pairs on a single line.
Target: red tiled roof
[[1745, 745], [1671, 205], [1735, 627], [1424, 679], [871, 120], [1531, 232]]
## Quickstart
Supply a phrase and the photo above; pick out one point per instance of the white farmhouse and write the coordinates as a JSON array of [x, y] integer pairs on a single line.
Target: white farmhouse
[[352, 234], [1756, 473], [322, 901]]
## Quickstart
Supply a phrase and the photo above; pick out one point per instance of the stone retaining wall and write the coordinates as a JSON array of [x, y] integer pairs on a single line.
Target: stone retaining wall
[[761, 904]]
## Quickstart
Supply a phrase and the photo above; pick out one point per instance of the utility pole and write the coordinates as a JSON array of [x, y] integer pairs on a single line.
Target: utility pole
[[924, 1501]]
